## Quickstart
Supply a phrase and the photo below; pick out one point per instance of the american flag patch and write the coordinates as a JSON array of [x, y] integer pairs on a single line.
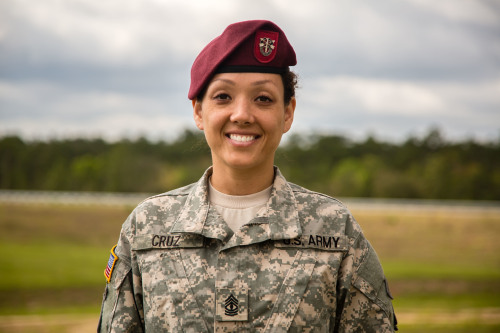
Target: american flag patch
[[111, 264]]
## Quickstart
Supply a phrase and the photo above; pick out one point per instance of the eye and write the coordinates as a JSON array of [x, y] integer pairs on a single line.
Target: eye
[[222, 97], [264, 98]]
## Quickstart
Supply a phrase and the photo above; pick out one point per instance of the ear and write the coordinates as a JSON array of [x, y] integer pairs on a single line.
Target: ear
[[289, 112], [197, 114]]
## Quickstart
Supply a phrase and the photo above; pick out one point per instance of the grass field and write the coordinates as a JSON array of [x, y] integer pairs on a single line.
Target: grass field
[[443, 267]]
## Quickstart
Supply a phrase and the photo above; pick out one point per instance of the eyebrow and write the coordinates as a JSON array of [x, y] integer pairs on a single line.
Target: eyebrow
[[261, 82], [256, 83], [225, 81]]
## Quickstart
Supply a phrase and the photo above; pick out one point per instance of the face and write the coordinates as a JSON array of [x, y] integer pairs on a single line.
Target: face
[[244, 116]]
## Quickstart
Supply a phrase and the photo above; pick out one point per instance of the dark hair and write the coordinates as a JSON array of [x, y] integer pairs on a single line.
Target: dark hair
[[290, 83]]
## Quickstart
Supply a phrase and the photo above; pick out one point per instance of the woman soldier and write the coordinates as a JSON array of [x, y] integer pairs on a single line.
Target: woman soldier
[[243, 250]]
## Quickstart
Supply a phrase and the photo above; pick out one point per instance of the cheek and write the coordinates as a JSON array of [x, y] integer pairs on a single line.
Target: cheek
[[212, 127], [213, 122], [276, 125]]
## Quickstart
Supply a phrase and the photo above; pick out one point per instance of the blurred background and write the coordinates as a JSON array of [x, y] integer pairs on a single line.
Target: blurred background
[[398, 115]]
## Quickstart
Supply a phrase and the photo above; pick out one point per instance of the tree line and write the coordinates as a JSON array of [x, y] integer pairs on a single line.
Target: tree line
[[422, 168]]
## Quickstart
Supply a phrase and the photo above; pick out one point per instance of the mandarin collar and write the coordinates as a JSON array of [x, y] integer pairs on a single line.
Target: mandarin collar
[[281, 210]]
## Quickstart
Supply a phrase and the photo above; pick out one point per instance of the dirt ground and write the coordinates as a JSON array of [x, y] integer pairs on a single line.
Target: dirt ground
[[48, 324], [88, 323]]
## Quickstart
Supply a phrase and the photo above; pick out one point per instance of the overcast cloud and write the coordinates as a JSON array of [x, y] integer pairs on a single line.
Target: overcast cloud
[[120, 68]]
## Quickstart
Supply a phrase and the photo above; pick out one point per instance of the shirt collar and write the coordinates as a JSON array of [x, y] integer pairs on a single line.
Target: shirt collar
[[281, 211]]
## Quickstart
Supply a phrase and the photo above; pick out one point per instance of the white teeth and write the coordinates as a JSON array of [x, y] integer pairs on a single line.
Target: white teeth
[[242, 138]]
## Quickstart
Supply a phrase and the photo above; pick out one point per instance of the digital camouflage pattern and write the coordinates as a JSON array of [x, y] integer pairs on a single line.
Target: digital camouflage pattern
[[301, 265]]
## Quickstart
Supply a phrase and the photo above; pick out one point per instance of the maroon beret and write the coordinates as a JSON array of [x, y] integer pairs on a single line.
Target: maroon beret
[[250, 46]]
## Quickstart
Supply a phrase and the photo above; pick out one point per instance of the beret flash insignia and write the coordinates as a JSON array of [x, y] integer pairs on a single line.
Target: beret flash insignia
[[266, 43]]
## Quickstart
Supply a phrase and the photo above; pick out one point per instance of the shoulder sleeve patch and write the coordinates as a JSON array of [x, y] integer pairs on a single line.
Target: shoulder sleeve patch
[[111, 264], [372, 283]]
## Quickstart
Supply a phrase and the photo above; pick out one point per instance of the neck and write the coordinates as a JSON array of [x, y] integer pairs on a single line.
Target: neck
[[241, 182]]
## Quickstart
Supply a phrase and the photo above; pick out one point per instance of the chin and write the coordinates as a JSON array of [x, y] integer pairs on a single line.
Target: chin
[[242, 164]]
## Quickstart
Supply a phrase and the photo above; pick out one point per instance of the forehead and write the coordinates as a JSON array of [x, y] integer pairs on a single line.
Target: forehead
[[243, 79]]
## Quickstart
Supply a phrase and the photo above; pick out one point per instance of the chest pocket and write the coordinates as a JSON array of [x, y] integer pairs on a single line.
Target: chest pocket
[[308, 297], [291, 292], [169, 302]]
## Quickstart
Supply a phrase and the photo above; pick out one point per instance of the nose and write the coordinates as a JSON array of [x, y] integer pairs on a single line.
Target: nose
[[242, 112]]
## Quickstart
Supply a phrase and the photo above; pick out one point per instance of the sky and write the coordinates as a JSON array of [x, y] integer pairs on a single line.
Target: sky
[[121, 68]]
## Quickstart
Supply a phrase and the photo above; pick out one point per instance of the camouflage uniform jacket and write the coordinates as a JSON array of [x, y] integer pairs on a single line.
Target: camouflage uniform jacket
[[301, 265]]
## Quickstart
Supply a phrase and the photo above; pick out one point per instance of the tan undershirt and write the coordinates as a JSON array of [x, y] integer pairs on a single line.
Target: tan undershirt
[[238, 210]]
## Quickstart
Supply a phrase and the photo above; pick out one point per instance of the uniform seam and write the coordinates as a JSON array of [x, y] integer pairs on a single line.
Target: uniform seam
[[122, 279], [162, 195], [356, 276], [376, 300], [130, 277], [300, 189]]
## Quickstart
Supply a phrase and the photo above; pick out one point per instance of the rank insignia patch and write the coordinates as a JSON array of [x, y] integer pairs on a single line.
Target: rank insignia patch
[[111, 264], [266, 43], [231, 304]]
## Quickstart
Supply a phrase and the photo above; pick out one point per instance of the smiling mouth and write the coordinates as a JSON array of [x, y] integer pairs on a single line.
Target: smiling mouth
[[242, 138]]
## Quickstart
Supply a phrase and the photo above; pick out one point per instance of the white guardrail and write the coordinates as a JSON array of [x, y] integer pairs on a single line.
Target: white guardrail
[[132, 199]]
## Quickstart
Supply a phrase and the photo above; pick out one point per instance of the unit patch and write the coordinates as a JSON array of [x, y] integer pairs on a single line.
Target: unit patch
[[111, 264]]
